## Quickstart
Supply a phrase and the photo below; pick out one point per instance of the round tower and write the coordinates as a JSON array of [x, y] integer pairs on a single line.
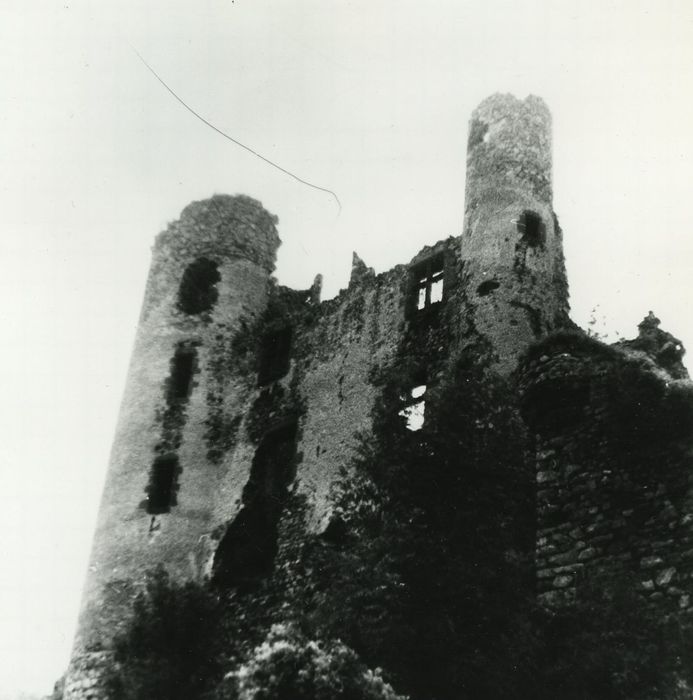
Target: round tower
[[511, 244], [210, 275]]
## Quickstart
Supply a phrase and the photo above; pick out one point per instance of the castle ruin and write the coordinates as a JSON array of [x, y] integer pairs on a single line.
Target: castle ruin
[[240, 389]]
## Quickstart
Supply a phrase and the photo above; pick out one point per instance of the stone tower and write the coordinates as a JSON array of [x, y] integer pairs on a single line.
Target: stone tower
[[512, 243], [208, 269]]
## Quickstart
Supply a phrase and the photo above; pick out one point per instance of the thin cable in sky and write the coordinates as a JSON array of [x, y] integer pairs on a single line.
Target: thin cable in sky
[[233, 140]]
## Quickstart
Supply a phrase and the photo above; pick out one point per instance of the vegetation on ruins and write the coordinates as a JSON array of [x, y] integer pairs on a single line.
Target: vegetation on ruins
[[424, 571], [170, 647]]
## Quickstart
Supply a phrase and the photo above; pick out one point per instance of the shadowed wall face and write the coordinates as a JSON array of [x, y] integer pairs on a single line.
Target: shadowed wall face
[[614, 468]]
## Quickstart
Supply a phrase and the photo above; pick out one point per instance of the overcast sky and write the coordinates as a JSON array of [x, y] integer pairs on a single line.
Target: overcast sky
[[368, 99]]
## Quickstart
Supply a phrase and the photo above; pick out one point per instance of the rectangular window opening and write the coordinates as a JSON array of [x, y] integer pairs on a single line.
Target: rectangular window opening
[[275, 355], [161, 491], [182, 370], [429, 282], [422, 298], [437, 290]]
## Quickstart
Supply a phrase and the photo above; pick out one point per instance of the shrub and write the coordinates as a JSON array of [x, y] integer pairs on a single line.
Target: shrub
[[430, 575], [611, 645], [171, 646], [287, 666]]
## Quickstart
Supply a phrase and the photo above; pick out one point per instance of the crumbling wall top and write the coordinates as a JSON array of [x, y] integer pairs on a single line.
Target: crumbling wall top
[[661, 347], [227, 226]]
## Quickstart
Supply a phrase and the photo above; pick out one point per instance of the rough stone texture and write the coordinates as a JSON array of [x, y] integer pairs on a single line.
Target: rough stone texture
[[86, 674], [339, 352], [613, 480], [614, 466], [508, 174], [237, 234]]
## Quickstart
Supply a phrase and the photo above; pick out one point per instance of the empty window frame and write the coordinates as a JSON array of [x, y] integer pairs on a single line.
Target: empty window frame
[[274, 355], [162, 488], [429, 281], [531, 229], [415, 409], [198, 287], [183, 367]]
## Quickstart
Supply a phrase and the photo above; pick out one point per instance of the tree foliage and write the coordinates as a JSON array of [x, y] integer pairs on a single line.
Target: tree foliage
[[288, 666], [432, 569], [425, 571], [171, 646], [611, 645]]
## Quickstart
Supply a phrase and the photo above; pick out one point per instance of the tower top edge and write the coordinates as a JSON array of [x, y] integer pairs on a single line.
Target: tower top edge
[[509, 148], [230, 205], [224, 225], [505, 102]]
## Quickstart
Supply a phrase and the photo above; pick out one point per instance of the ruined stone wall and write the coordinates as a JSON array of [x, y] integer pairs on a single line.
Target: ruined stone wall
[[336, 356], [340, 351], [87, 675], [358, 338], [614, 472]]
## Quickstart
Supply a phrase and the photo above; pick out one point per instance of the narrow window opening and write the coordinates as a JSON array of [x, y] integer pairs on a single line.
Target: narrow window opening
[[182, 370], [429, 282], [275, 356], [198, 291], [161, 491], [485, 288], [437, 290], [422, 298], [247, 551], [414, 411], [532, 229]]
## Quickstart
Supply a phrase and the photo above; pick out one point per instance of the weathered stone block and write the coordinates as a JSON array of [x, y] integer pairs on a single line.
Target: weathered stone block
[[650, 562], [665, 576], [588, 553], [562, 581]]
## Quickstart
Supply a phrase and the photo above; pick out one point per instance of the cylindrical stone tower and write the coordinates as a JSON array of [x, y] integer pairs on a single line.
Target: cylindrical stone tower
[[511, 243], [210, 274]]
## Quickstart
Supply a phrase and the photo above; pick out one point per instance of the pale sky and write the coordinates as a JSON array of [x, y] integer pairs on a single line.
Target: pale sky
[[369, 99]]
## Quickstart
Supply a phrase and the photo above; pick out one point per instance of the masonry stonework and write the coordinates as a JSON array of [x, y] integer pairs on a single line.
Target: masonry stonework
[[240, 390], [614, 465]]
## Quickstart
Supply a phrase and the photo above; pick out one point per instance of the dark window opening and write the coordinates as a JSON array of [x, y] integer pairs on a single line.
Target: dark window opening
[[182, 370], [198, 291], [274, 356], [487, 287], [428, 280], [161, 491], [247, 551], [532, 229]]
